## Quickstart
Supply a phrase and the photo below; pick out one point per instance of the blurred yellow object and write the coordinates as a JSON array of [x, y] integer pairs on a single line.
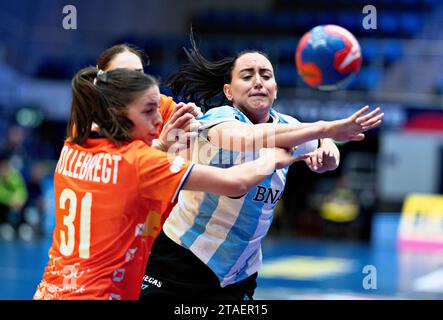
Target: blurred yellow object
[[305, 267], [340, 206], [422, 219]]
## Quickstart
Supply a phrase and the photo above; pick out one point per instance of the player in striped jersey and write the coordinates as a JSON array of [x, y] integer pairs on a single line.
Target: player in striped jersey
[[210, 247], [108, 180]]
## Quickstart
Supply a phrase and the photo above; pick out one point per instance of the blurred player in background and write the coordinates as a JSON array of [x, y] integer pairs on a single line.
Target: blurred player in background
[[217, 253], [108, 179], [13, 196]]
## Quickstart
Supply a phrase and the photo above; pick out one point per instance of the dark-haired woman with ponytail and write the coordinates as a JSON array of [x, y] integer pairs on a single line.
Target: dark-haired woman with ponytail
[[217, 253], [175, 116], [109, 179], [174, 134]]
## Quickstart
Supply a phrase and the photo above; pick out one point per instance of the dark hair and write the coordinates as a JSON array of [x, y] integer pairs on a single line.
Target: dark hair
[[200, 80], [102, 98], [110, 53]]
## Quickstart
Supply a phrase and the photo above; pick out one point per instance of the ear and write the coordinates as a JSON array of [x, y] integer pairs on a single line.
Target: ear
[[227, 91], [276, 89]]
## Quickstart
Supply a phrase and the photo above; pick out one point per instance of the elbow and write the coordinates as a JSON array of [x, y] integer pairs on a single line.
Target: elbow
[[238, 187]]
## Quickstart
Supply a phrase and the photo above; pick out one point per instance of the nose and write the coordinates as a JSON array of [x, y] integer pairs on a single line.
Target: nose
[[158, 120], [258, 81]]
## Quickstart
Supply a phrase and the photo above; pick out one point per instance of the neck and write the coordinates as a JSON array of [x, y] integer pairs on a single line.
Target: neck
[[256, 118]]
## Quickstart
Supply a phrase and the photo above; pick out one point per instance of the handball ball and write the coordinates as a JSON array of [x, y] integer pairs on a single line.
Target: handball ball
[[328, 57]]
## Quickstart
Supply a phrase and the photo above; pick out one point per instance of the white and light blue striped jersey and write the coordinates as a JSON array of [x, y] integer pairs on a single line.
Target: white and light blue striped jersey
[[224, 232]]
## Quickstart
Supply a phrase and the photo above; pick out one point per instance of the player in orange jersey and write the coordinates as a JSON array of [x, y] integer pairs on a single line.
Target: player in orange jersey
[[109, 179], [175, 116]]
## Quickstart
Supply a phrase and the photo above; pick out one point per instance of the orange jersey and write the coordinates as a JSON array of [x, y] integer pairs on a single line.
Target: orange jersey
[[165, 210], [166, 107], [104, 195]]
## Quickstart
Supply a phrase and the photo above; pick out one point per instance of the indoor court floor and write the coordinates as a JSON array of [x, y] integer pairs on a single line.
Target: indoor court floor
[[293, 269]]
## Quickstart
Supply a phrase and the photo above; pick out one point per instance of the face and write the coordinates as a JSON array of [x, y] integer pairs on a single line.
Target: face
[[127, 60], [144, 113], [253, 88]]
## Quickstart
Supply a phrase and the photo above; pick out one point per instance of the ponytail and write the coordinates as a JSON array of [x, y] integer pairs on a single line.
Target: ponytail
[[84, 96], [102, 98], [200, 80]]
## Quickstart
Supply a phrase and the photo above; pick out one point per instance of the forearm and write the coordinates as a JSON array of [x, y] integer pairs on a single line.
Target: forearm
[[234, 181], [290, 135], [250, 174], [243, 137]]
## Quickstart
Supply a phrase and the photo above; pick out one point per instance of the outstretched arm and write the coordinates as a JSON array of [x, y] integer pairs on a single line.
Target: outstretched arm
[[238, 180], [239, 136]]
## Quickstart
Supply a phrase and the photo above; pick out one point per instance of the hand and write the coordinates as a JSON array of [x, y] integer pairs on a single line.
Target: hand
[[352, 128], [196, 111], [325, 158], [180, 128]]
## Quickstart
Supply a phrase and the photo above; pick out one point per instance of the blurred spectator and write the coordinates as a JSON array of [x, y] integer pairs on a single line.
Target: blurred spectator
[[35, 208], [13, 196], [15, 148]]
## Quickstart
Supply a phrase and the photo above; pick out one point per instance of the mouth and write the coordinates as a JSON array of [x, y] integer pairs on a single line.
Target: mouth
[[258, 94]]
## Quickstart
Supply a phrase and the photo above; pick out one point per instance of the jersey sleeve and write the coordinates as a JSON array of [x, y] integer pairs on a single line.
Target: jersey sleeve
[[167, 105], [161, 177], [216, 116]]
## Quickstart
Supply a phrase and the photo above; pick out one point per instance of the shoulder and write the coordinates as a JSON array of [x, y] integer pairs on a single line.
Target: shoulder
[[141, 149], [220, 112], [166, 104], [284, 118], [216, 116], [165, 100]]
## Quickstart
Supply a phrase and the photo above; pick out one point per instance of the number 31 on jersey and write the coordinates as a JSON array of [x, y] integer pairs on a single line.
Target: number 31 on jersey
[[67, 242]]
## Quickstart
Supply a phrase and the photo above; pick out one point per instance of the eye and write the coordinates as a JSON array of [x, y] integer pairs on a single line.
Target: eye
[[151, 108]]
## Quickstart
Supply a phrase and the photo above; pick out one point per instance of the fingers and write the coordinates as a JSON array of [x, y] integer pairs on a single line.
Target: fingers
[[360, 112], [308, 162], [316, 158], [320, 152], [196, 111], [179, 110], [298, 158], [375, 122], [368, 116], [183, 121], [358, 137]]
